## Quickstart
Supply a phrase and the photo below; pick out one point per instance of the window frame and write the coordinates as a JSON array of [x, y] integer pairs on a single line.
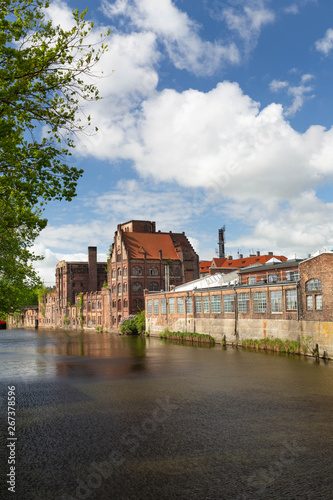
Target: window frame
[[291, 301], [276, 301], [229, 303], [260, 302]]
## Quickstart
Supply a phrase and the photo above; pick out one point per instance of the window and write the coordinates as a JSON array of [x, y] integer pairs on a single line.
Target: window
[[290, 275], [276, 302], [319, 302], [313, 284], [198, 304], [243, 302], [149, 306], [125, 271], [137, 271], [153, 271], [205, 304], [125, 287], [137, 287], [137, 303], [119, 271], [113, 288], [172, 306], [113, 273], [309, 303], [180, 305], [216, 303], [229, 303], [125, 303], [153, 287], [119, 288], [118, 257], [177, 271], [291, 300], [163, 306], [156, 306], [251, 280], [259, 302], [272, 278], [189, 305]]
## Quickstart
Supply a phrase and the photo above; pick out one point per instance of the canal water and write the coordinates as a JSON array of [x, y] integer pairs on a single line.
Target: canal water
[[102, 416]]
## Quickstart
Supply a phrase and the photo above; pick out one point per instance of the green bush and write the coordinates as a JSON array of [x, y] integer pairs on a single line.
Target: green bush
[[135, 324]]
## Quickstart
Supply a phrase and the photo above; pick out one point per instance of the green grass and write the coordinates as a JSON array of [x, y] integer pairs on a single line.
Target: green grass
[[277, 345], [188, 337]]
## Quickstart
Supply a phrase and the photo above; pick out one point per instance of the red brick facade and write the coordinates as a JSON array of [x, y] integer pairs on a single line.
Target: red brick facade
[[143, 259], [291, 299], [316, 284], [99, 295]]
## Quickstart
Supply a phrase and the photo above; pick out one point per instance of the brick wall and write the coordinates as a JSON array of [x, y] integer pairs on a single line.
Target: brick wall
[[317, 268]]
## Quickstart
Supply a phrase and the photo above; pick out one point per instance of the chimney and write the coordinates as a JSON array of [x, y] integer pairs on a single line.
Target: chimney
[[258, 253], [92, 269], [221, 243], [270, 253], [240, 255], [229, 257]]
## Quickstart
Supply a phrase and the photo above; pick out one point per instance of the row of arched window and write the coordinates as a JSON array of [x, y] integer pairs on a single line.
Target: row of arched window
[[136, 287], [137, 304], [138, 271], [118, 272]]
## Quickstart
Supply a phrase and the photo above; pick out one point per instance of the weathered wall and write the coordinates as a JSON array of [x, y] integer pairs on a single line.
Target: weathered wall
[[320, 331]]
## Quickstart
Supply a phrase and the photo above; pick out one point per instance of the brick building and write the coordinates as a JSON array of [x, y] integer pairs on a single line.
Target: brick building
[[229, 264], [76, 277], [290, 300], [142, 258], [100, 294], [316, 284]]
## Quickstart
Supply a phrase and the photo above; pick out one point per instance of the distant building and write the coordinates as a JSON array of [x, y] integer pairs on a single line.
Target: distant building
[[75, 277], [100, 294], [143, 259], [229, 264], [288, 299]]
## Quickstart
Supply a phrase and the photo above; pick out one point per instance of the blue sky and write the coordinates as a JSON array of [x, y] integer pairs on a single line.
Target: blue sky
[[213, 112]]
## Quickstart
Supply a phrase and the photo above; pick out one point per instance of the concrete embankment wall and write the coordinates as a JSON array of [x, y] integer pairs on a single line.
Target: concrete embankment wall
[[320, 331]]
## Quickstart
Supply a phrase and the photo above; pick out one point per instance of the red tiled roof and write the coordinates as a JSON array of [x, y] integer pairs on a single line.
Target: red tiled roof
[[139, 244], [246, 261], [204, 266]]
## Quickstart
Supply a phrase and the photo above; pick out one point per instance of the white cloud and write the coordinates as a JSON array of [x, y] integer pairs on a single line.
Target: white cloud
[[299, 93], [177, 32], [248, 21], [325, 44], [277, 85], [292, 9], [301, 226]]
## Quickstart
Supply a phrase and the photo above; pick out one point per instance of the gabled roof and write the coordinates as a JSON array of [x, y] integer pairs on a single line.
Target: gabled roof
[[246, 261], [139, 244], [204, 266]]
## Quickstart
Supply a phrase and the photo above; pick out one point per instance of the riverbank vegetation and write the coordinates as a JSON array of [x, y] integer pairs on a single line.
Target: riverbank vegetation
[[188, 337], [282, 346], [134, 324]]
